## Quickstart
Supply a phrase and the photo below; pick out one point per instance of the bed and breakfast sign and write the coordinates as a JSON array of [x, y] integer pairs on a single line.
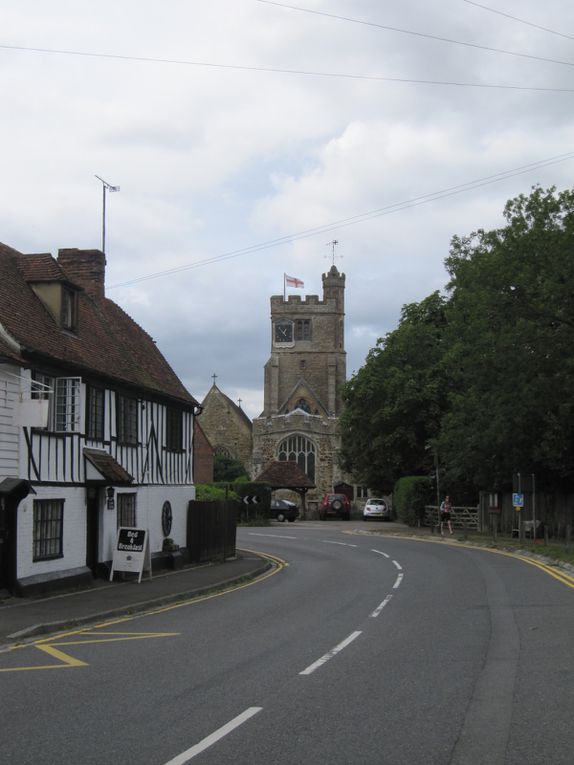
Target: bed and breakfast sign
[[131, 553]]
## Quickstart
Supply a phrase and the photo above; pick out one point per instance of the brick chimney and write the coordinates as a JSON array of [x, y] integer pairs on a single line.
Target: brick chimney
[[86, 268]]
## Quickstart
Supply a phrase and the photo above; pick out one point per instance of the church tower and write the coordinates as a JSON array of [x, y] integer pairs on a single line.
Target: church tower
[[303, 384]]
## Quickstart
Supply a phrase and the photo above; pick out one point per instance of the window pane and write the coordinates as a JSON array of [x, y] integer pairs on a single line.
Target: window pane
[[48, 528], [126, 513]]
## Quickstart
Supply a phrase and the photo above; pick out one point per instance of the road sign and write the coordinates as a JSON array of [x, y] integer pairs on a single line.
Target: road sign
[[251, 499], [518, 499]]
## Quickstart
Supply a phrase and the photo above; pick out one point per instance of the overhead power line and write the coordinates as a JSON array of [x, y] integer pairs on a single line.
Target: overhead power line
[[438, 38], [520, 21], [277, 70], [355, 219]]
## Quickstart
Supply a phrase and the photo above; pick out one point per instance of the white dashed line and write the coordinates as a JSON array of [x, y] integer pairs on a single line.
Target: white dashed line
[[398, 565], [333, 652], [275, 536], [379, 608], [380, 552], [214, 737], [398, 582], [342, 544]]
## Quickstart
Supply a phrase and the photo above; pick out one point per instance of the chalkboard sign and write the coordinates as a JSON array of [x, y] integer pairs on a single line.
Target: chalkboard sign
[[132, 552]]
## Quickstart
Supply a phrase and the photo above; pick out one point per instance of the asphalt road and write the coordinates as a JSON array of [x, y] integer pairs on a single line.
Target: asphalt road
[[361, 650]]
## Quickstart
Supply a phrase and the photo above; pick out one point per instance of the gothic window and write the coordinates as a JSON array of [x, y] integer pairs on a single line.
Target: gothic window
[[301, 450], [222, 451]]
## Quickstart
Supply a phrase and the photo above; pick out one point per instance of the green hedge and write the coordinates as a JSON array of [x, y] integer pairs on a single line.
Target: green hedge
[[410, 495]]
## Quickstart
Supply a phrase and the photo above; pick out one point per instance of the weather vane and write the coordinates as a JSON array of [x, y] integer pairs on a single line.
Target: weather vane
[[333, 244]]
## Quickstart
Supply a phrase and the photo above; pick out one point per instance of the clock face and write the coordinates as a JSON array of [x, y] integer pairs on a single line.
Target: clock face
[[283, 332]]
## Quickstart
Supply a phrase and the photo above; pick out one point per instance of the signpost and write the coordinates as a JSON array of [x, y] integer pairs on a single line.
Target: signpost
[[518, 501], [131, 553]]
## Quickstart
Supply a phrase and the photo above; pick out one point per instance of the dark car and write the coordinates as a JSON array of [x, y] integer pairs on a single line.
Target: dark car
[[335, 504], [283, 510]]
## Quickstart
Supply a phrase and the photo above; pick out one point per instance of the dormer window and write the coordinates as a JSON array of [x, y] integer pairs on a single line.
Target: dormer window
[[69, 309]]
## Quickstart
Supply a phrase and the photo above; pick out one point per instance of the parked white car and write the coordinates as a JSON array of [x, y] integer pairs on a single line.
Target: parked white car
[[376, 508]]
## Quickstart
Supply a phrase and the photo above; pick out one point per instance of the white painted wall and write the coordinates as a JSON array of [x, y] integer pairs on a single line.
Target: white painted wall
[[74, 543], [9, 433]]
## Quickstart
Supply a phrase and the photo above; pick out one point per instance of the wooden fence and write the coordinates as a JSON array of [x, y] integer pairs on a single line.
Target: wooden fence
[[461, 517], [211, 530]]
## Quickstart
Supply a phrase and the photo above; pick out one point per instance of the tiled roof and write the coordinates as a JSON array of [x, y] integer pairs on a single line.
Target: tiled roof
[[281, 474], [107, 342], [109, 468]]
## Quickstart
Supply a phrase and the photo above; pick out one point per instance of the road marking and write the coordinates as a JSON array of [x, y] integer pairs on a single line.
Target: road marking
[[398, 565], [333, 652], [380, 607], [214, 737], [380, 552], [332, 542], [275, 536], [398, 581], [52, 645]]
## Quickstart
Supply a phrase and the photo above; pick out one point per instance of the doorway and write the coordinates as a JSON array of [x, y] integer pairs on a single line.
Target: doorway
[[92, 529]]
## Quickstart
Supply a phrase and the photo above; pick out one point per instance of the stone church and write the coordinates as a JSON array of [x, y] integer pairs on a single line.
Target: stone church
[[303, 383]]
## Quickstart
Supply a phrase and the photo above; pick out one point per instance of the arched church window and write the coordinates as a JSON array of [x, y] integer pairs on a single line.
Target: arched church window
[[301, 450], [222, 451]]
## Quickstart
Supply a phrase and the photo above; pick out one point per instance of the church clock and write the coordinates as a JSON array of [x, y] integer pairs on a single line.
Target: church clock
[[283, 331]]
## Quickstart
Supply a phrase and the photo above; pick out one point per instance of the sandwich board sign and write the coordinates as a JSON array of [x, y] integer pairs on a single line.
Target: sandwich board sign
[[131, 553]]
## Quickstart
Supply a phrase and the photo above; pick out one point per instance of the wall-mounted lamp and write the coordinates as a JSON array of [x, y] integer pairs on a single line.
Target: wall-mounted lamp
[[110, 492]]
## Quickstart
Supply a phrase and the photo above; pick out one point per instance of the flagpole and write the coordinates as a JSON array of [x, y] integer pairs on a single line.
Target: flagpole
[[284, 288]]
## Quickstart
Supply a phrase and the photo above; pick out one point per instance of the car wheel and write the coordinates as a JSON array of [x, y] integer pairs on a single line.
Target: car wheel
[[290, 520], [336, 504], [281, 517]]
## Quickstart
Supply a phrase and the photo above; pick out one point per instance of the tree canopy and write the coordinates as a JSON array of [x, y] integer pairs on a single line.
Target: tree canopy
[[482, 375]]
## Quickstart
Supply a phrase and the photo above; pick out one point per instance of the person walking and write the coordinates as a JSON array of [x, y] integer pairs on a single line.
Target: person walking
[[445, 515]]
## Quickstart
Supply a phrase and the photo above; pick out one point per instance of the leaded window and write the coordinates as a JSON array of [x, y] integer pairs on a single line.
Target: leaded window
[[174, 429], [126, 513], [302, 329], [48, 529], [127, 419], [94, 413]]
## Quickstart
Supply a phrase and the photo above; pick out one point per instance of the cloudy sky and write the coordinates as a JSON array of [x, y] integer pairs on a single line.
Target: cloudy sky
[[246, 135]]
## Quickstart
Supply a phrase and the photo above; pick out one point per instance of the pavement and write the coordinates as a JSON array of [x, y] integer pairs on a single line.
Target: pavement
[[25, 618]]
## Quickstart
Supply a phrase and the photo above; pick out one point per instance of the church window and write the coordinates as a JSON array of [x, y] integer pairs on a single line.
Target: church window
[[301, 450], [222, 451], [302, 329]]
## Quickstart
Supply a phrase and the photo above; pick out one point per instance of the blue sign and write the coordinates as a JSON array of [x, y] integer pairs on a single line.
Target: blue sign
[[518, 500]]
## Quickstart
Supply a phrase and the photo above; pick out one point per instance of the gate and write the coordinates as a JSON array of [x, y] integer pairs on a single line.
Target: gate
[[211, 530]]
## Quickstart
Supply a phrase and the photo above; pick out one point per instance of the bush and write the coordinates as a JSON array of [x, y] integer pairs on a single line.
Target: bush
[[210, 492], [410, 495]]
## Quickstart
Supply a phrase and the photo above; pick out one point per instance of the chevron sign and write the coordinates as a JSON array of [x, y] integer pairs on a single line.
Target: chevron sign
[[251, 499]]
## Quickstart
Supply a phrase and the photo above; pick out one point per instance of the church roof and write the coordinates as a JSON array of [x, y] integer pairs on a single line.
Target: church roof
[[281, 474], [215, 393]]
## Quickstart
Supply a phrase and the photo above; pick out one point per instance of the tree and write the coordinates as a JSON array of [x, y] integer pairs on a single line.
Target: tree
[[510, 346], [227, 468], [394, 404]]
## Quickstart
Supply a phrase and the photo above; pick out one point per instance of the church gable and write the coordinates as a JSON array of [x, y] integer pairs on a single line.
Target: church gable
[[226, 425], [303, 398]]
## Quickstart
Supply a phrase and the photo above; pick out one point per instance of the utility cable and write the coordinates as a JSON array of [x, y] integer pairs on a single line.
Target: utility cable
[[520, 21], [355, 219], [276, 70], [388, 28]]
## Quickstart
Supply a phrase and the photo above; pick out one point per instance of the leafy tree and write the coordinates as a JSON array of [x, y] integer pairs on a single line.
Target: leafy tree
[[227, 469], [510, 346], [393, 405]]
